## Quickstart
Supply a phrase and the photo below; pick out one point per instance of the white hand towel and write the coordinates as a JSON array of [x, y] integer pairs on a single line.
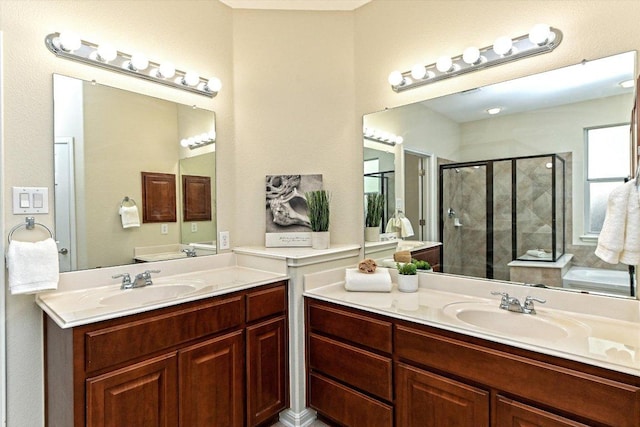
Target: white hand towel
[[619, 240], [129, 216], [33, 266], [378, 281], [406, 230]]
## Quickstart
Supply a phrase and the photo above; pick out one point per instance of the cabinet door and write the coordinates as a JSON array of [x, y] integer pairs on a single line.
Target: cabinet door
[[141, 395], [426, 399], [510, 413], [267, 379], [211, 383]]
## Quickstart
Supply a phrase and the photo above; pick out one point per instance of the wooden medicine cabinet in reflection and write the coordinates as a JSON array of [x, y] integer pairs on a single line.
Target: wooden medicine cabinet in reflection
[[196, 193], [158, 197]]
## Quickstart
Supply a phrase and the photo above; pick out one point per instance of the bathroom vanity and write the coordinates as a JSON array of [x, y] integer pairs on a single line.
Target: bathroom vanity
[[393, 359], [217, 358]]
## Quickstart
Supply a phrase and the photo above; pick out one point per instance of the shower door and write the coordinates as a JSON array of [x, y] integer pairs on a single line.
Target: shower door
[[465, 193]]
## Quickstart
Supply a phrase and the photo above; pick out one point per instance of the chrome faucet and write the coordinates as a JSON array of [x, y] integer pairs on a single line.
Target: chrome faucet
[[190, 252], [141, 280], [513, 304]]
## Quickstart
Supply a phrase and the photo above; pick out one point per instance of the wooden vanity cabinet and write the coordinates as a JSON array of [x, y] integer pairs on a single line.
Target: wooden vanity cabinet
[[442, 378], [221, 361], [431, 255]]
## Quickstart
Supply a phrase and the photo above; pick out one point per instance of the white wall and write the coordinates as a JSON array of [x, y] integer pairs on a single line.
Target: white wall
[[296, 85]]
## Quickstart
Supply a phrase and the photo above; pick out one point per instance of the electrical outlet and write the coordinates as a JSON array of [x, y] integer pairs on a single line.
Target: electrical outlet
[[164, 229], [194, 227], [223, 242]]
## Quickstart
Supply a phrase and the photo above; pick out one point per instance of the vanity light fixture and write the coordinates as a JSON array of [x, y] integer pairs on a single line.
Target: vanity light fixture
[[198, 141], [541, 39], [70, 46], [381, 136]]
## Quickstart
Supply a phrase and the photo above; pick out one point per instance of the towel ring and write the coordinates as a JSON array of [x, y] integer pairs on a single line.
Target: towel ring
[[29, 224], [128, 200]]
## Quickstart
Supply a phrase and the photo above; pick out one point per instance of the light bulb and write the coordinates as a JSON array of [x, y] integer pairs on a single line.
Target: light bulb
[[184, 142], [395, 78], [106, 52], [418, 71], [190, 78], [540, 34], [399, 140], [213, 84], [69, 41], [444, 64], [166, 70], [471, 55], [138, 62], [502, 46], [212, 135]]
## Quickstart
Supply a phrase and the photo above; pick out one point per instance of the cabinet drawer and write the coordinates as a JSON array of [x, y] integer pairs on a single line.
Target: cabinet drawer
[[373, 333], [353, 409], [512, 413], [266, 302], [569, 390], [362, 369], [129, 340]]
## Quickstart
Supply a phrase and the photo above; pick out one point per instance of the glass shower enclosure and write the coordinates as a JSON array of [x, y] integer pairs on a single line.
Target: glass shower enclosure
[[492, 212]]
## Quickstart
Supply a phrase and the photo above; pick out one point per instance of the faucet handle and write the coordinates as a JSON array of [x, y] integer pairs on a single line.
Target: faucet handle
[[504, 301], [528, 304], [126, 279]]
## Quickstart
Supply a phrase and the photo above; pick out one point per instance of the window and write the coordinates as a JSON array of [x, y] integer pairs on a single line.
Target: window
[[607, 166]]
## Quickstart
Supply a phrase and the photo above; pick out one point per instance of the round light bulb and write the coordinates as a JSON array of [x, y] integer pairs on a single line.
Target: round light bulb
[[139, 62], [212, 135], [399, 140], [471, 55], [190, 78], [184, 142], [395, 78], [69, 41], [166, 70], [106, 52], [444, 64], [502, 46], [214, 84], [540, 34], [418, 71]]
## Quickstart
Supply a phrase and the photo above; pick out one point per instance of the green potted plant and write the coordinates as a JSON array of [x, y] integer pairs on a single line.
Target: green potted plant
[[318, 210], [407, 277], [373, 218], [421, 265]]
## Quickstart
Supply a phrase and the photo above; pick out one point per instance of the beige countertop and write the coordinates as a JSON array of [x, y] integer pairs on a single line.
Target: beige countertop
[[601, 331]]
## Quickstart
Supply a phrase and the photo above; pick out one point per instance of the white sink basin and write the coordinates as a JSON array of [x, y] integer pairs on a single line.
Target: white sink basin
[[147, 295], [543, 325]]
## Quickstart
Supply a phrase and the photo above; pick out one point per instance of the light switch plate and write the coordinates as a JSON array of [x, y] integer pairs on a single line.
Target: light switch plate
[[30, 200]]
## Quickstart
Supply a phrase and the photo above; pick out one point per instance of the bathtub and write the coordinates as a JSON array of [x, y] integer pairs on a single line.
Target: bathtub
[[597, 280]]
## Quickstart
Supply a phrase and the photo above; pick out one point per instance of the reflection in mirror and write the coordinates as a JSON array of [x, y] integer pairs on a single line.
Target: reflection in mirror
[[551, 121], [104, 139]]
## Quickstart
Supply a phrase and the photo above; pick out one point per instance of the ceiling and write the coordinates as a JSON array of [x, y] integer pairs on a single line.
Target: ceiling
[[296, 4], [587, 80]]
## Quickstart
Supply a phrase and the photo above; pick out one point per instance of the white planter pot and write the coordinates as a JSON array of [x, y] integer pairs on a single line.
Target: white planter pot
[[372, 234], [407, 282], [320, 239]]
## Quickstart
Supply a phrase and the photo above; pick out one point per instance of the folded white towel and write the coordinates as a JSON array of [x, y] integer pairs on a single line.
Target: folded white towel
[[379, 281], [33, 266], [619, 239], [129, 216], [540, 253]]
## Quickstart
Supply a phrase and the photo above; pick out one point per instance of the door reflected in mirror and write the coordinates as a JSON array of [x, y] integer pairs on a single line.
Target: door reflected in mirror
[[104, 139], [547, 114]]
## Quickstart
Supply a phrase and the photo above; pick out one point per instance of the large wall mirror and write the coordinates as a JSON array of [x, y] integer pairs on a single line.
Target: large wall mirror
[[513, 178], [106, 140]]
